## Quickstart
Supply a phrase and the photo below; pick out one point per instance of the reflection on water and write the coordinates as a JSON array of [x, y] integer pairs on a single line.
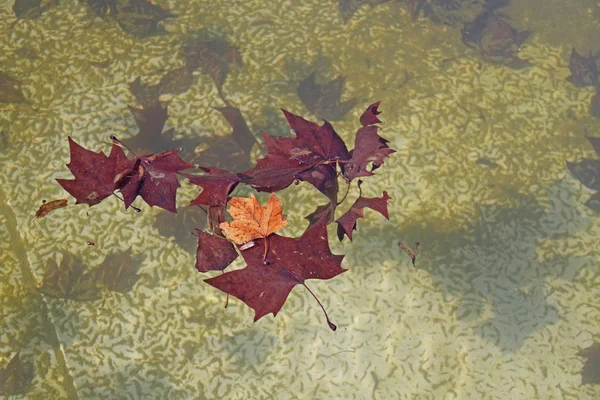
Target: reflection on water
[[492, 108]]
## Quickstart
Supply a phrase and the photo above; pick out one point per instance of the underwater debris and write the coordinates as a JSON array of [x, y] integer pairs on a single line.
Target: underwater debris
[[495, 39], [584, 70], [139, 18], [587, 172], [412, 254], [15, 377], [590, 373], [347, 8], [452, 12], [10, 89]]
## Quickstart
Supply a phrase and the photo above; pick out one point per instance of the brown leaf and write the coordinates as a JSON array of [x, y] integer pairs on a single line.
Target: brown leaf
[[50, 206], [214, 252], [412, 254]]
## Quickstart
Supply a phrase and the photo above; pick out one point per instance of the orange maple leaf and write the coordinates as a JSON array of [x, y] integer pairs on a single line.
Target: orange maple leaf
[[251, 220]]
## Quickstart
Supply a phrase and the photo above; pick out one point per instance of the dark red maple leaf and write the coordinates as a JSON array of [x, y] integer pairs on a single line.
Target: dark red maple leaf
[[369, 147], [369, 117], [310, 157], [153, 177], [97, 176], [216, 186], [277, 170], [214, 252], [94, 173], [265, 288], [347, 222]]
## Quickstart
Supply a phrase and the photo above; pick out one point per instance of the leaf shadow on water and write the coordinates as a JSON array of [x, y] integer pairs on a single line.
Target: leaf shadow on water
[[492, 266]]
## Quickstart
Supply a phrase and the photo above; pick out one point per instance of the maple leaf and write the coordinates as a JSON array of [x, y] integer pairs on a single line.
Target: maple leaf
[[369, 117], [216, 185], [153, 177], [265, 288], [347, 222], [214, 253], [310, 157], [275, 171], [251, 221], [369, 147], [94, 173]]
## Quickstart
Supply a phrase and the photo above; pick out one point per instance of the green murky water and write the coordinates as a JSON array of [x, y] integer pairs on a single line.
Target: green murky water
[[505, 291]]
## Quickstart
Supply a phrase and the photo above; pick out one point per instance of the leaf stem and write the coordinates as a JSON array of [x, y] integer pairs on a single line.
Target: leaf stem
[[134, 207], [265, 252], [345, 194], [331, 324], [117, 141]]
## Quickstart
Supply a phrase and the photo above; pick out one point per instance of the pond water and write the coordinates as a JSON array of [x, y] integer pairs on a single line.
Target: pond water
[[104, 302]]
